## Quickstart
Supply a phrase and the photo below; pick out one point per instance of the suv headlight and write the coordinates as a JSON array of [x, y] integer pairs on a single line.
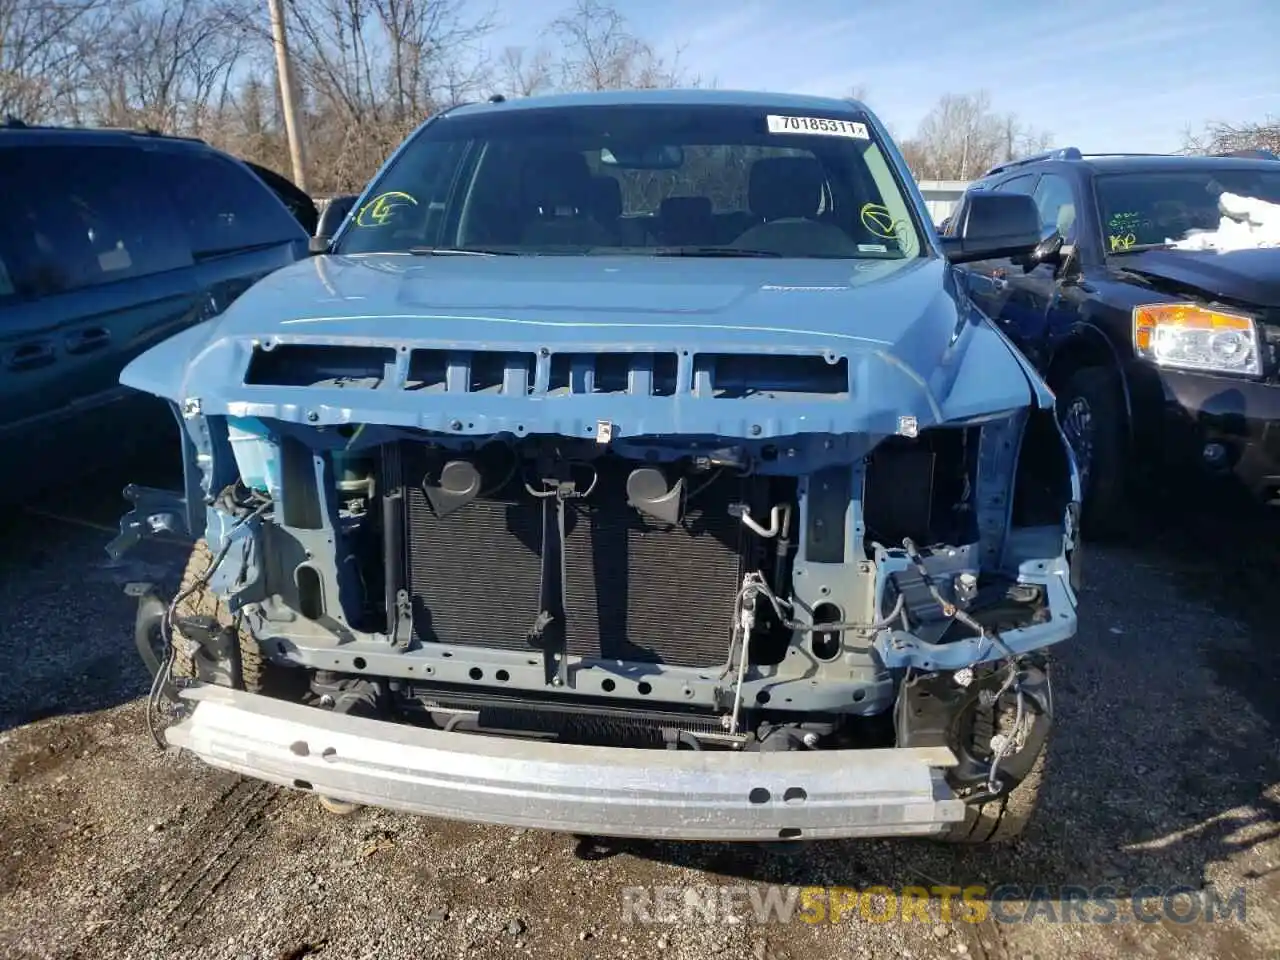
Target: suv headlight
[[1191, 337]]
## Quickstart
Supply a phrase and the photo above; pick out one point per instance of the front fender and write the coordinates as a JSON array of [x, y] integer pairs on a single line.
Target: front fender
[[1044, 398], [1086, 339], [162, 370]]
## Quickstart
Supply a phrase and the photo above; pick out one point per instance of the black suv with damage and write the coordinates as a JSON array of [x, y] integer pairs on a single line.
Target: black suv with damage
[[1153, 310], [627, 464]]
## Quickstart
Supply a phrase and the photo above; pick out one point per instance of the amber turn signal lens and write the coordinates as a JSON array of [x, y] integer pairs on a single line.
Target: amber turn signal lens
[[1192, 337]]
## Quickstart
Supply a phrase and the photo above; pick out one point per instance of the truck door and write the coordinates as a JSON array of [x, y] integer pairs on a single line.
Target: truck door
[[1042, 301], [989, 279]]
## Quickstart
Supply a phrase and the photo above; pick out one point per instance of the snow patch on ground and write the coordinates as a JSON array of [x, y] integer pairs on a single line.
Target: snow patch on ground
[[1247, 223]]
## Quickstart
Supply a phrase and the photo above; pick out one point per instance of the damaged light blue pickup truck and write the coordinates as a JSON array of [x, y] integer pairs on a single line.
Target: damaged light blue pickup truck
[[627, 464]]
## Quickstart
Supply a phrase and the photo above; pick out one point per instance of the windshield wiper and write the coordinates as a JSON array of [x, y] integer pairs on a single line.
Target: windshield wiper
[[460, 252], [710, 252]]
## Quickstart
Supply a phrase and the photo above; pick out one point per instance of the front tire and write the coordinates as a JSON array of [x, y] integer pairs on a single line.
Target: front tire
[[1091, 411], [1004, 817], [1021, 774], [258, 674], [339, 808]]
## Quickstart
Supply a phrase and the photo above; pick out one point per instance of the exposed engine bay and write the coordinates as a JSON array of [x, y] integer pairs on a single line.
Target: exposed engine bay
[[661, 593]]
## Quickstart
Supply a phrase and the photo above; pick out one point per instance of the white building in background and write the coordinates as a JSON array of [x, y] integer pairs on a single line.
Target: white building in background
[[941, 196]]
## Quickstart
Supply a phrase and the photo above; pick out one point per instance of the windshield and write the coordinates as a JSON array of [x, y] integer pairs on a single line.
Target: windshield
[[639, 179], [1140, 209]]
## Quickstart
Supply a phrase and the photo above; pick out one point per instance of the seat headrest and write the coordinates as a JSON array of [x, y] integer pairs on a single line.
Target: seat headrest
[[1066, 218], [556, 180], [685, 209], [606, 197], [785, 187]]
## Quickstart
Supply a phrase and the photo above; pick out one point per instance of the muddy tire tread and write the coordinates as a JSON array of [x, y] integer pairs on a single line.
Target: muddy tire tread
[[258, 674], [1004, 817]]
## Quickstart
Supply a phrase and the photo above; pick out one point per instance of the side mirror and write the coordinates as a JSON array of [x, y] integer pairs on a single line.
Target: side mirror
[[1048, 250], [331, 217], [993, 226]]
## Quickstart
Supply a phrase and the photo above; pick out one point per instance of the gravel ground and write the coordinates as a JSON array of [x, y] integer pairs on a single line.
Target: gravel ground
[[1164, 773]]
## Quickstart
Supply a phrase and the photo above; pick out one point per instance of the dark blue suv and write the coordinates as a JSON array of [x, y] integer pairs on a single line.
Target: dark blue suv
[[1153, 309], [111, 242]]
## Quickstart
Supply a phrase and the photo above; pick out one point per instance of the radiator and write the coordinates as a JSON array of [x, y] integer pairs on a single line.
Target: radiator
[[635, 589]]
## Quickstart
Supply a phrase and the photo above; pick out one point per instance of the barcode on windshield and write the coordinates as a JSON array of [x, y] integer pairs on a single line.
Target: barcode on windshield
[[817, 125]]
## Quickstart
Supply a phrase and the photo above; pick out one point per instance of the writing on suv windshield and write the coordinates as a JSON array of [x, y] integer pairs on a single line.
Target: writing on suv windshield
[[1141, 210], [694, 181]]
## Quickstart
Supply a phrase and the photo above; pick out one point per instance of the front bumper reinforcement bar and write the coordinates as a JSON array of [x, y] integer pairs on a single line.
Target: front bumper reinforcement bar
[[604, 791]]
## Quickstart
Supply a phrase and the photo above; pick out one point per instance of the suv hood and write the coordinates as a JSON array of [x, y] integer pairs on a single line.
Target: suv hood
[[893, 324], [1244, 276]]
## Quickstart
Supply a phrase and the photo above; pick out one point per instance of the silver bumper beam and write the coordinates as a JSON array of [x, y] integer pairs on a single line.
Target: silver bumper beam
[[604, 791]]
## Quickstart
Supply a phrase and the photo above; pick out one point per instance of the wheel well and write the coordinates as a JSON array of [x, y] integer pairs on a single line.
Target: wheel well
[[1073, 355], [1086, 350]]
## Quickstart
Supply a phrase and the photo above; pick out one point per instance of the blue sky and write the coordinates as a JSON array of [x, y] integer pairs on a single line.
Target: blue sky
[[1103, 75]]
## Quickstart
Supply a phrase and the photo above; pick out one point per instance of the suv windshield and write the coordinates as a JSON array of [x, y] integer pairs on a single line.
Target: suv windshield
[[1140, 209], [640, 179]]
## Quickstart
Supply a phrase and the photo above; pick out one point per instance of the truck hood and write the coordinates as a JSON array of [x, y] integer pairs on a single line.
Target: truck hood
[[910, 351], [1244, 276]]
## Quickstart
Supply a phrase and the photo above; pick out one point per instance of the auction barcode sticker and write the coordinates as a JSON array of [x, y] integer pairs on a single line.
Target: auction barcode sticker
[[817, 125]]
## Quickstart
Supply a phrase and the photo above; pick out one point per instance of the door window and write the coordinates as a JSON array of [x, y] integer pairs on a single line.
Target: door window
[[1057, 205], [81, 217], [222, 205]]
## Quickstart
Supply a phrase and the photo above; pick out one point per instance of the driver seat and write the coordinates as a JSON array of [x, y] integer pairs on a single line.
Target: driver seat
[[558, 187], [786, 194]]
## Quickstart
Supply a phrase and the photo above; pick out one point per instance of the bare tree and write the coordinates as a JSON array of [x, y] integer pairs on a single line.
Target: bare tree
[[913, 152], [1219, 137], [372, 70], [387, 59], [961, 137], [526, 73], [1021, 140], [434, 53], [43, 44], [169, 67], [601, 53], [368, 71]]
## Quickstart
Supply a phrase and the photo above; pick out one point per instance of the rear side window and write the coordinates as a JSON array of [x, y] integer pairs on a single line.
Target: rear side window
[[79, 217], [1024, 184], [223, 206], [1057, 204]]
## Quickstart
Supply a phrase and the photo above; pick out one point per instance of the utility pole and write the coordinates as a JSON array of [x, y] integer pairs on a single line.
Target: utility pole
[[284, 70]]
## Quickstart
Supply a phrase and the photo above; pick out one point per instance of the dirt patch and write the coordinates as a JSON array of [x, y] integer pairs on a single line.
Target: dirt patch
[[50, 746]]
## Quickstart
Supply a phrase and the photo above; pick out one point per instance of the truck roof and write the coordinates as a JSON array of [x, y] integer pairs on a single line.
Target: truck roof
[[677, 97], [16, 133], [1139, 163]]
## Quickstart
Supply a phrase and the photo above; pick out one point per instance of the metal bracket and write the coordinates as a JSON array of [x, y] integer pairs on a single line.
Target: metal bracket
[[240, 576], [402, 633], [155, 512]]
